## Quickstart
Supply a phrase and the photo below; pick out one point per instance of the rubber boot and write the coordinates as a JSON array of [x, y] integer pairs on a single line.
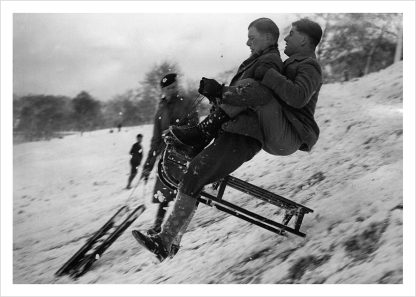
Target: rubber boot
[[153, 243], [176, 244], [204, 132], [160, 244], [160, 215], [178, 220]]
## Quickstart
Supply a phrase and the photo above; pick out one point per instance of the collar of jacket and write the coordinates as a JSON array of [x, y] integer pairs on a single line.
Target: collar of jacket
[[253, 58], [300, 57], [269, 49]]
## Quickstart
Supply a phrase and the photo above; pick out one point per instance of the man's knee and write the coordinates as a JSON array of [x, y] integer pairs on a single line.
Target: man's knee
[[192, 182], [232, 111], [217, 161]]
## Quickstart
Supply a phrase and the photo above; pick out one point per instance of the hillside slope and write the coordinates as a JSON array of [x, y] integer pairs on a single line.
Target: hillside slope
[[64, 189]]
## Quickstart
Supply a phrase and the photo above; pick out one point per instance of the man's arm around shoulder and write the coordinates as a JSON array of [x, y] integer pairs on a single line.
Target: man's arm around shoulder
[[299, 91]]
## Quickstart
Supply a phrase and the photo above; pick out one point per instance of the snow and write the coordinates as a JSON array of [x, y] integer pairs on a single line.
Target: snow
[[64, 189]]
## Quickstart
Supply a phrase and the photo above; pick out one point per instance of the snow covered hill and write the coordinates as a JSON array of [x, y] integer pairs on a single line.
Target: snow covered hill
[[64, 189]]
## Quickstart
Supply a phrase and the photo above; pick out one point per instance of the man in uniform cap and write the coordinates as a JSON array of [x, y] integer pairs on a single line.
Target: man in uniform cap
[[172, 109]]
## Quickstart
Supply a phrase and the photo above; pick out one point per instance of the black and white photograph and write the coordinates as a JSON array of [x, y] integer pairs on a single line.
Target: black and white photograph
[[182, 146]]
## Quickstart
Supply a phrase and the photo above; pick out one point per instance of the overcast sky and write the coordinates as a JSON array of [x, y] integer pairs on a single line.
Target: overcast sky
[[107, 54]]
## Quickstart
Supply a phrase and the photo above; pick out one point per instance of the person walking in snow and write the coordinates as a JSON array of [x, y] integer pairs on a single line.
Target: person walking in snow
[[290, 116], [136, 153], [173, 109]]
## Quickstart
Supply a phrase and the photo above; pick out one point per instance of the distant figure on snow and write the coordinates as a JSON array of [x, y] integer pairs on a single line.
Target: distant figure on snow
[[136, 153], [346, 75]]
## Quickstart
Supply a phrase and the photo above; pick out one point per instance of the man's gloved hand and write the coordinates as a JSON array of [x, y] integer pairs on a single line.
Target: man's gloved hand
[[210, 88], [145, 174]]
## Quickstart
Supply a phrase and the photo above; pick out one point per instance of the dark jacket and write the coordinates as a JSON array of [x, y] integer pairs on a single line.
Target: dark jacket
[[247, 123], [297, 89], [136, 153], [178, 111]]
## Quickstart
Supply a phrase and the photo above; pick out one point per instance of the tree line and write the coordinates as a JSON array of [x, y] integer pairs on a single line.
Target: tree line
[[355, 44], [352, 45], [44, 116]]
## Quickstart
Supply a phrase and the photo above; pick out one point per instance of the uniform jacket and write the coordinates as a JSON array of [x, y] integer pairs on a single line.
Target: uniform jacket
[[178, 111], [136, 153], [297, 89], [247, 122]]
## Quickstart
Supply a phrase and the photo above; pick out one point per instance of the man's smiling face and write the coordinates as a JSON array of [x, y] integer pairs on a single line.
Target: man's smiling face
[[294, 41]]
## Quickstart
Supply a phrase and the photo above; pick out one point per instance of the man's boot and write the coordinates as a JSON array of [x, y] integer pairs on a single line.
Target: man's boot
[[204, 132], [160, 215], [153, 243], [160, 244]]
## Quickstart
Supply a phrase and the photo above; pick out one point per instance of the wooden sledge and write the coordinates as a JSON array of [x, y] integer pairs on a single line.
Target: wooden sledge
[[173, 165]]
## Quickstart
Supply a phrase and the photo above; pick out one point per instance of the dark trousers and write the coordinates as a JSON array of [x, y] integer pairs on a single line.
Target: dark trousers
[[161, 192], [162, 195], [280, 137], [133, 170], [228, 152]]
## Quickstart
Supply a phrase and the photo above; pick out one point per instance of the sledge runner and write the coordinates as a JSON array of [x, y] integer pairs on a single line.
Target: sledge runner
[[280, 126]]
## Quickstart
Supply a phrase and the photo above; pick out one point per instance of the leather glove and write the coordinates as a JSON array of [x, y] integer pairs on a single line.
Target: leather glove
[[210, 88]]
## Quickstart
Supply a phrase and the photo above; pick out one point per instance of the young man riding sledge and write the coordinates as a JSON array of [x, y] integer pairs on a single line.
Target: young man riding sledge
[[267, 105]]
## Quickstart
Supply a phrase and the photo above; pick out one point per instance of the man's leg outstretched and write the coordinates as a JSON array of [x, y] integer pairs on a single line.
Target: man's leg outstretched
[[227, 153]]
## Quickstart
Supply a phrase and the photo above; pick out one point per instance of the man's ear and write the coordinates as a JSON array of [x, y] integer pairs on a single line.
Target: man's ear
[[305, 40], [269, 37]]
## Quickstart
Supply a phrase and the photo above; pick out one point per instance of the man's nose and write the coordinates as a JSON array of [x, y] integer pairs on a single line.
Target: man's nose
[[286, 38], [248, 42]]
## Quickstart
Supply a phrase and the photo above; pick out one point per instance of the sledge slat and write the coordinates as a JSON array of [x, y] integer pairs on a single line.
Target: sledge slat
[[100, 249], [299, 221], [77, 257], [221, 189], [243, 213], [261, 193]]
